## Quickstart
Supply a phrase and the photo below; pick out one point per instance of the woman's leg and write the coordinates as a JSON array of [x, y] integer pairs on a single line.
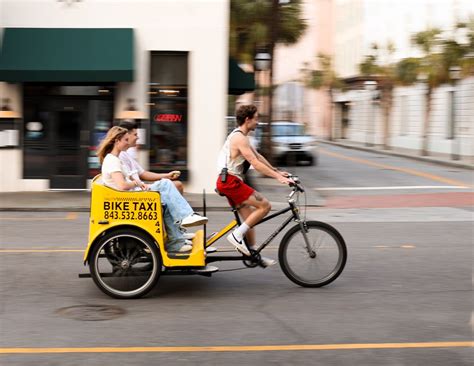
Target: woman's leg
[[178, 207]]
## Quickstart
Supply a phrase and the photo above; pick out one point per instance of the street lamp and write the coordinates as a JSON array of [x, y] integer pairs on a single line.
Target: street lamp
[[262, 63], [371, 86], [454, 75]]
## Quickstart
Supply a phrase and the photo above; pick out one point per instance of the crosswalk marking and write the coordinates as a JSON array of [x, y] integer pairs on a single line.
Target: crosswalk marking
[[386, 188]]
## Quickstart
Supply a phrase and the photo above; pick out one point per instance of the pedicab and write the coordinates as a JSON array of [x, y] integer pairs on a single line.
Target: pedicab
[[126, 251]]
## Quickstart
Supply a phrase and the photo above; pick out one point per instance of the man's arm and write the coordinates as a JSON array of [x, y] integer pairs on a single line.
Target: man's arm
[[263, 166], [267, 163]]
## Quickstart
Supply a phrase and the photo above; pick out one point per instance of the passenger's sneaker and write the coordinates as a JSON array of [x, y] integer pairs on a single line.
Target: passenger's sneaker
[[193, 220], [239, 245], [185, 248], [188, 242], [189, 236], [267, 262]]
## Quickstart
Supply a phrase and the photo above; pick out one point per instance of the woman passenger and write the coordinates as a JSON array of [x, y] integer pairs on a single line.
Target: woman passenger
[[177, 211]]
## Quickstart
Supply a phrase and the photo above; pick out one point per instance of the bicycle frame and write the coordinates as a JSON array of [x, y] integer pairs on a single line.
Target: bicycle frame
[[294, 216]]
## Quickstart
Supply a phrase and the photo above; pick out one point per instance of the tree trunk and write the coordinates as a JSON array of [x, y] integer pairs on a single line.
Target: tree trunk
[[330, 120], [387, 101], [426, 123]]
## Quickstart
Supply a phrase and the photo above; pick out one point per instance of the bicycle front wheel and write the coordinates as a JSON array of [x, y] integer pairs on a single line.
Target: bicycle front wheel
[[317, 261]]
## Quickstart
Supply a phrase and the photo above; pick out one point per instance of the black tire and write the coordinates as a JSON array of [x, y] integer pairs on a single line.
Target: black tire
[[329, 250], [125, 264]]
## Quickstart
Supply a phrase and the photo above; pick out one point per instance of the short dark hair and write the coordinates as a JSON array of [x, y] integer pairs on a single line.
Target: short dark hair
[[243, 112], [128, 125]]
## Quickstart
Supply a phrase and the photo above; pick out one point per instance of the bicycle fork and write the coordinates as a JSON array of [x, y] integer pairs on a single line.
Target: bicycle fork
[[304, 231]]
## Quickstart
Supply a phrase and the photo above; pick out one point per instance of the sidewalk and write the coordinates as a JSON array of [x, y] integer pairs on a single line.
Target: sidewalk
[[394, 152], [79, 201]]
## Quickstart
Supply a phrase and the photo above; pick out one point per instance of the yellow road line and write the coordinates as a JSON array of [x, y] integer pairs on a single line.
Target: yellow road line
[[41, 250], [69, 216], [403, 170], [295, 347]]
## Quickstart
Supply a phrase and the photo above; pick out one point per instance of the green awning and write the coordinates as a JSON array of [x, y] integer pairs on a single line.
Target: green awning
[[67, 55], [239, 80]]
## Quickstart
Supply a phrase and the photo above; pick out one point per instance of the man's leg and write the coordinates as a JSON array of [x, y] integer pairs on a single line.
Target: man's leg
[[179, 186], [176, 239], [178, 207], [245, 211], [251, 217]]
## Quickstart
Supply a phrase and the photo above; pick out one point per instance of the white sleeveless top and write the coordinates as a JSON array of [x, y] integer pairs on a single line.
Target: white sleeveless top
[[235, 166]]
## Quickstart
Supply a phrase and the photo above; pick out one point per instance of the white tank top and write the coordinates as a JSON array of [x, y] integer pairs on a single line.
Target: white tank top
[[235, 166]]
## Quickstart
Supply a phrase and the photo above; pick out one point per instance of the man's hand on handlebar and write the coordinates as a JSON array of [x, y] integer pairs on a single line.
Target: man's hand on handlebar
[[285, 174], [284, 180]]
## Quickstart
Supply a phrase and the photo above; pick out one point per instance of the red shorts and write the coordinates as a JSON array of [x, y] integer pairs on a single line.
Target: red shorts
[[234, 189]]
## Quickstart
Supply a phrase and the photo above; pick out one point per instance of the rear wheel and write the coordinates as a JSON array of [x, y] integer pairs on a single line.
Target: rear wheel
[[125, 264], [315, 265]]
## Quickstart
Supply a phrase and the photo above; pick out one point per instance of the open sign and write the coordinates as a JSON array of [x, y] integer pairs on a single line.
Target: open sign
[[168, 117]]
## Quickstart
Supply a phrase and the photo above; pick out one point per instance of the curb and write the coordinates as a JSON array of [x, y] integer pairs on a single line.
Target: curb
[[402, 155]]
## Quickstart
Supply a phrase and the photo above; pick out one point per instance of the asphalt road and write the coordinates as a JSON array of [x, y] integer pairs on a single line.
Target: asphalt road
[[404, 298]]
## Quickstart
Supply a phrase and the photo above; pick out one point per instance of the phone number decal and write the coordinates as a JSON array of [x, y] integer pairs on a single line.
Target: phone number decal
[[130, 215]]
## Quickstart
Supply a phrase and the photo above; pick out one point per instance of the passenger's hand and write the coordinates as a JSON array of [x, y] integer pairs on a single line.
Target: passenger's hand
[[285, 174], [174, 174], [144, 186]]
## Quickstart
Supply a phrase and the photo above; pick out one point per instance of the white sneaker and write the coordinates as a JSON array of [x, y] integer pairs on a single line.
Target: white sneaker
[[193, 220], [267, 262], [239, 245], [189, 236], [185, 248], [188, 242]]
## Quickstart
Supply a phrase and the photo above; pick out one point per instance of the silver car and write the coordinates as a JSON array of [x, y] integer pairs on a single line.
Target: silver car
[[290, 143]]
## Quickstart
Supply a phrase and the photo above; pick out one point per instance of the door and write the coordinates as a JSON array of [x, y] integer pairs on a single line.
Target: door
[[69, 159]]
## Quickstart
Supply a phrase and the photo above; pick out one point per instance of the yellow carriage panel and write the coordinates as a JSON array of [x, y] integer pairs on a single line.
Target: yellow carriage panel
[[141, 209]]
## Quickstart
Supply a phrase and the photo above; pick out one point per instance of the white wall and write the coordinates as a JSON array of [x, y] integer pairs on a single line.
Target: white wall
[[407, 116], [197, 26]]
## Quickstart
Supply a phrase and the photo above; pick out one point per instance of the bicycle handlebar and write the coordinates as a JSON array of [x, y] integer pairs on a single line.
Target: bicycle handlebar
[[296, 186]]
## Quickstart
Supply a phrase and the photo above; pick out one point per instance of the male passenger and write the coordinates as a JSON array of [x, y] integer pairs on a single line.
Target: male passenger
[[251, 205], [138, 174]]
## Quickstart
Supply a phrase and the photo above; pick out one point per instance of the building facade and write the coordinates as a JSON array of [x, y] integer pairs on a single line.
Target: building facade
[[163, 63]]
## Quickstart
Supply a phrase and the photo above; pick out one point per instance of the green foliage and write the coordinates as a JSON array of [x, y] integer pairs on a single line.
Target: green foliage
[[251, 22], [407, 70], [323, 76], [369, 66], [427, 40]]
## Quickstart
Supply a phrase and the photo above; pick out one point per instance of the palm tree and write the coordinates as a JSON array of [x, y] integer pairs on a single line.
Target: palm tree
[[261, 24], [252, 21], [386, 78], [430, 69]]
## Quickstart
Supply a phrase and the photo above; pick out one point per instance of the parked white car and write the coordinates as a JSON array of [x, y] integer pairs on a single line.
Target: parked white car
[[290, 143]]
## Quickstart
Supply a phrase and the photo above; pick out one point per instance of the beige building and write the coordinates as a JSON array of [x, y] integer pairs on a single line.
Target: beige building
[[292, 99], [70, 75]]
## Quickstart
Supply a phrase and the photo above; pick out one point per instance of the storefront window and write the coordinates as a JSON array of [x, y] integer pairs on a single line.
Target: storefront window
[[168, 112], [62, 127]]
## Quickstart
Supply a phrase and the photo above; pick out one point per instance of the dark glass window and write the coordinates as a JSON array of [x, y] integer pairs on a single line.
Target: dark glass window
[[62, 127], [168, 99]]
